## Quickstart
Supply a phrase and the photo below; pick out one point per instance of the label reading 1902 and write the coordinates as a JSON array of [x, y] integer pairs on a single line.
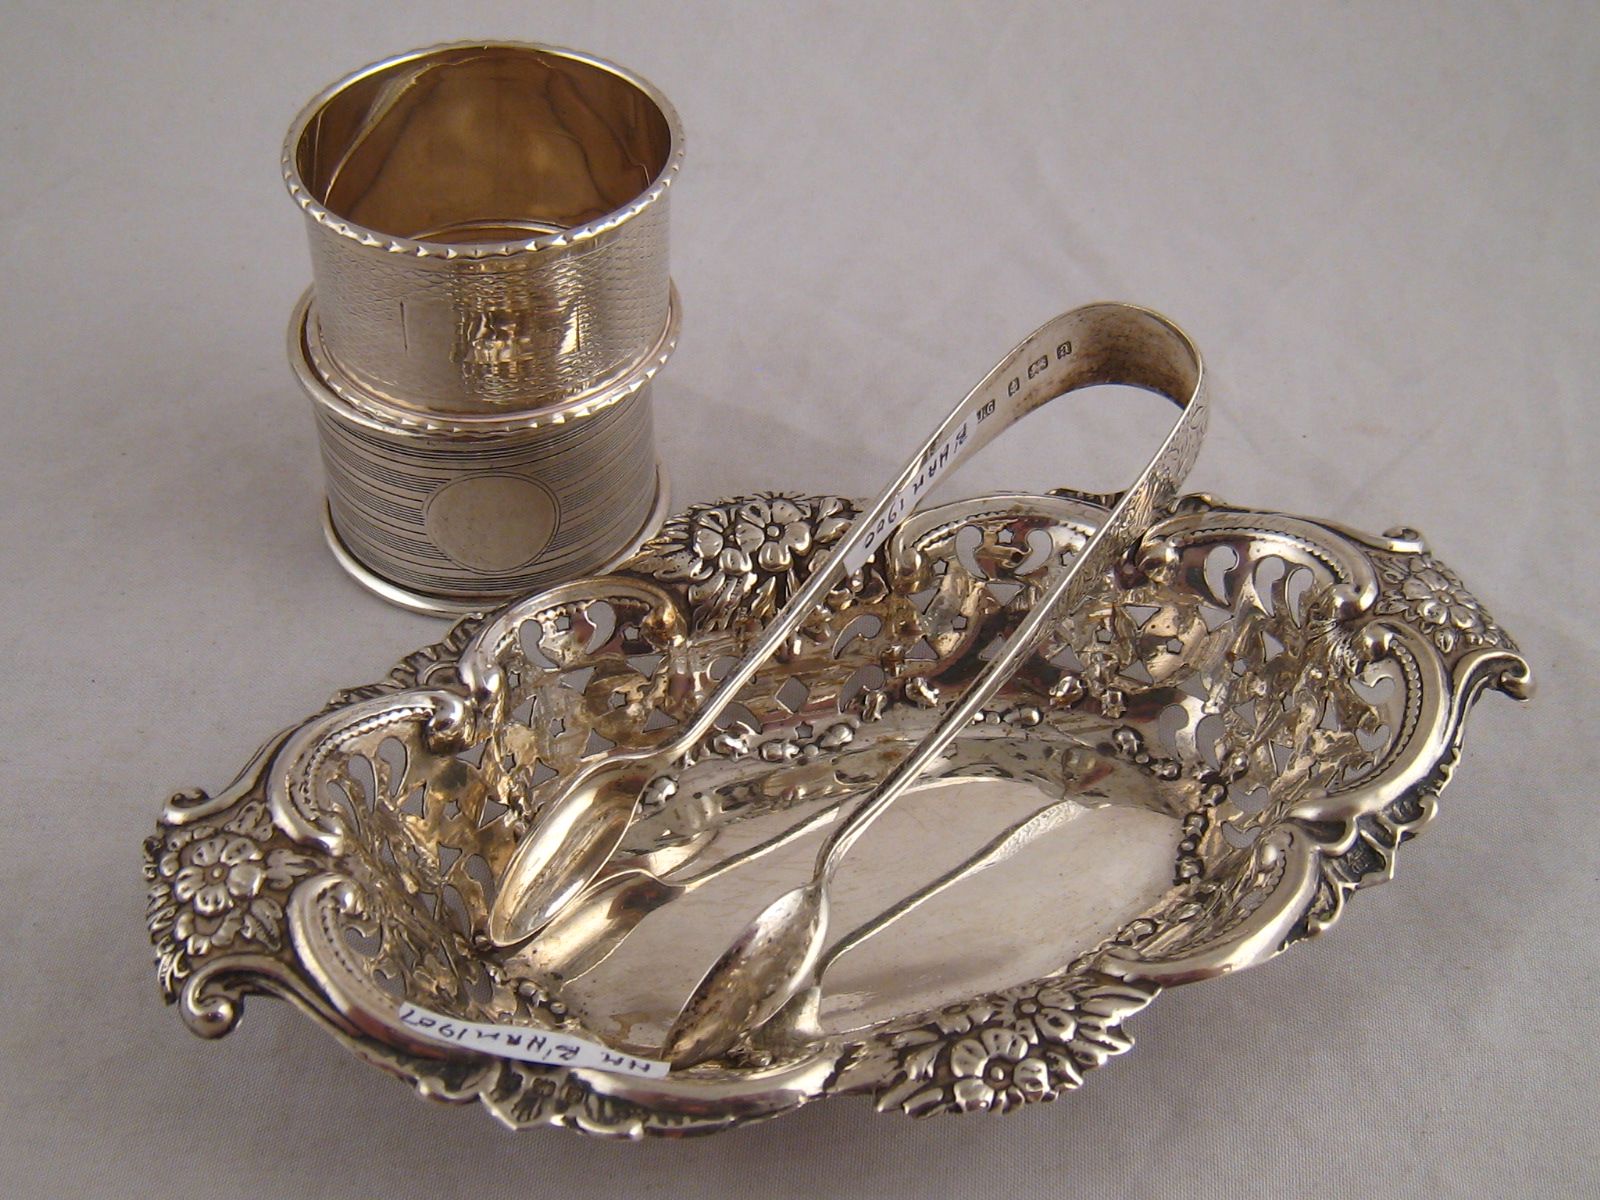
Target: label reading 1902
[[934, 464]]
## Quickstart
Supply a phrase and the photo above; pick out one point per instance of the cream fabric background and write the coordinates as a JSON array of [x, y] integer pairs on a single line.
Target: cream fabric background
[[1379, 221]]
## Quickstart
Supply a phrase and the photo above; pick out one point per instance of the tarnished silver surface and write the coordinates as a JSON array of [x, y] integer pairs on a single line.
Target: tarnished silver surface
[[1237, 732], [488, 230]]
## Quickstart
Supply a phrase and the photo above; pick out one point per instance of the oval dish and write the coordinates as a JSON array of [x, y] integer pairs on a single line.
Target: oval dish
[[1194, 773]]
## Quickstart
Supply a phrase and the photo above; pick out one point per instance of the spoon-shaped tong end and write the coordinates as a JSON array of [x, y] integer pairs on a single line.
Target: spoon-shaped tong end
[[572, 842], [754, 978]]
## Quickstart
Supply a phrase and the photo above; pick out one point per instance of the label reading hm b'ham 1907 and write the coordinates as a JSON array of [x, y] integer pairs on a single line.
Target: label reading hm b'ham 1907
[[546, 1046]]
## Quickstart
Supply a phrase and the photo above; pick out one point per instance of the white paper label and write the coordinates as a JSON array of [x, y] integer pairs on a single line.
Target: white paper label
[[944, 456], [546, 1046]]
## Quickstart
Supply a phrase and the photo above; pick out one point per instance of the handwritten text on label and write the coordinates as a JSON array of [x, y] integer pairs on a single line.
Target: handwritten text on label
[[546, 1046]]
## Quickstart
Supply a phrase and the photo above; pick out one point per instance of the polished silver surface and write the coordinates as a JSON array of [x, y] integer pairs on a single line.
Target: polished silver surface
[[588, 930], [488, 231], [778, 955], [438, 606], [1196, 770], [453, 515], [488, 224], [1103, 343]]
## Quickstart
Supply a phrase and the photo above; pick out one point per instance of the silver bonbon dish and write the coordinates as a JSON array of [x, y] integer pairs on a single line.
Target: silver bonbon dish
[[1193, 772]]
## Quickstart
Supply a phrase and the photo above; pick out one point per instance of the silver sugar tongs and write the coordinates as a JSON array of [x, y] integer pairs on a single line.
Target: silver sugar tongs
[[780, 953], [585, 821]]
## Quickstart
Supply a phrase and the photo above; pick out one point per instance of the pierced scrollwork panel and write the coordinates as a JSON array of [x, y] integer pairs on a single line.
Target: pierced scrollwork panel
[[1255, 712]]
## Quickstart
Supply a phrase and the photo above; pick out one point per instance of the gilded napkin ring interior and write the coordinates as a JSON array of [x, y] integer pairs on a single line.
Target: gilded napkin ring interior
[[807, 797]]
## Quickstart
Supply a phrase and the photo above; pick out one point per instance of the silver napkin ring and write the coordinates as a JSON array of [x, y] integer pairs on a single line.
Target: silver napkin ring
[[488, 229]]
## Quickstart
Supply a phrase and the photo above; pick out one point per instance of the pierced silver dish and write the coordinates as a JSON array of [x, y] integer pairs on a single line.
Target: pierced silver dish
[[1192, 774]]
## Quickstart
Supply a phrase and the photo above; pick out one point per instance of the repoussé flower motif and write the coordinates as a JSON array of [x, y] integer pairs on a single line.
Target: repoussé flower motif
[[215, 884], [997, 1069], [1019, 1046], [963, 1017], [1431, 595], [744, 550], [1040, 1014], [774, 530]]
